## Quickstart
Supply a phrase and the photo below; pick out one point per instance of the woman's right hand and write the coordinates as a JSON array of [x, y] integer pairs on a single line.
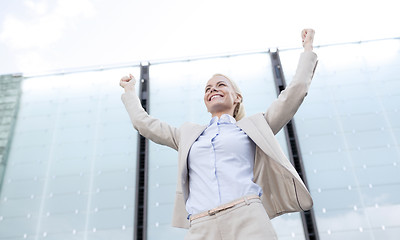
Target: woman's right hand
[[128, 83], [307, 36]]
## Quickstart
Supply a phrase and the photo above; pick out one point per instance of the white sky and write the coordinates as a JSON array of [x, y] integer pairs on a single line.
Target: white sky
[[41, 35]]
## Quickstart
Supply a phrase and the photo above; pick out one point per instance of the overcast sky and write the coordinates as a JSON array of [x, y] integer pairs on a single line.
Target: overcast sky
[[42, 35]]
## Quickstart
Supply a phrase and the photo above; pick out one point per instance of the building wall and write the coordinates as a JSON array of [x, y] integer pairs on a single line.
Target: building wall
[[72, 161], [349, 135]]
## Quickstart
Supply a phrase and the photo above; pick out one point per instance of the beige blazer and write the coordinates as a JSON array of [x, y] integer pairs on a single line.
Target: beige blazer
[[283, 190]]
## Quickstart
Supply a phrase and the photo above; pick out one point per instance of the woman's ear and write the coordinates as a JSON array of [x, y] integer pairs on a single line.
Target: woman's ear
[[238, 98]]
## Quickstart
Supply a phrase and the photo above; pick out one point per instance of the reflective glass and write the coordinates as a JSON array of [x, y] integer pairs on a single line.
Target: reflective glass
[[176, 96], [348, 128], [72, 162]]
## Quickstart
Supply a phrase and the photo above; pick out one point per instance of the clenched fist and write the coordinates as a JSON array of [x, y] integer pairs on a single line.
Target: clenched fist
[[307, 36], [128, 83]]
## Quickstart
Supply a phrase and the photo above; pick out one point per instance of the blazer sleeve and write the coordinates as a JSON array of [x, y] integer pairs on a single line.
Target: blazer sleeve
[[282, 110], [149, 127]]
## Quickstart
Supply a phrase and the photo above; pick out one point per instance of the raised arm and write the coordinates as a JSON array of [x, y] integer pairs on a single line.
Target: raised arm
[[149, 127], [289, 100]]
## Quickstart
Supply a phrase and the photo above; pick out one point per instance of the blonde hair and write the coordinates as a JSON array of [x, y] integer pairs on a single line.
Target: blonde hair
[[238, 112]]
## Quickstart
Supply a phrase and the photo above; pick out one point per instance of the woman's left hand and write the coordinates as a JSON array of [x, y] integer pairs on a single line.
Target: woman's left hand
[[128, 83], [307, 36]]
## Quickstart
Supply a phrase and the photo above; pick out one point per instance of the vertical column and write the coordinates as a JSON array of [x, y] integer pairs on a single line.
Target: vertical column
[[10, 93], [142, 166], [307, 217]]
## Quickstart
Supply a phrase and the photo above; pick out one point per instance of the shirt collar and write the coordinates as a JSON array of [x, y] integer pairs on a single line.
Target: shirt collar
[[225, 118]]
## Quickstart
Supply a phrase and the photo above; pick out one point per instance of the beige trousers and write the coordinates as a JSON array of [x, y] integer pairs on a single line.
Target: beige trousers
[[245, 221]]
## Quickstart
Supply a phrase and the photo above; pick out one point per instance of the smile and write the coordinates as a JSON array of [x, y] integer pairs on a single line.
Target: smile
[[215, 96]]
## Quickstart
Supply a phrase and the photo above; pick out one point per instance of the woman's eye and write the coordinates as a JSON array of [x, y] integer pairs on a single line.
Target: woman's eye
[[222, 84], [207, 89]]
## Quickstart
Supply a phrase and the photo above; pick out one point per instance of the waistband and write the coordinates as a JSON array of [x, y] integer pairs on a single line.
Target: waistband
[[211, 212]]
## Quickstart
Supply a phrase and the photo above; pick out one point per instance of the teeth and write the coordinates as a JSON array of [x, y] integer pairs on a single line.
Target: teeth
[[214, 97]]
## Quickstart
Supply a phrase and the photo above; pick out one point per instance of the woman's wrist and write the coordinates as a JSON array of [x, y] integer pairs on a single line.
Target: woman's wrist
[[308, 48], [129, 89]]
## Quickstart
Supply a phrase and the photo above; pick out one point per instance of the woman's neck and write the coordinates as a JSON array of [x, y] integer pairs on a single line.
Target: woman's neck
[[219, 114]]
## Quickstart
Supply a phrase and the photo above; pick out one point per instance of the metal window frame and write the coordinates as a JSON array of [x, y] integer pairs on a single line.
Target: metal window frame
[[140, 226], [295, 156]]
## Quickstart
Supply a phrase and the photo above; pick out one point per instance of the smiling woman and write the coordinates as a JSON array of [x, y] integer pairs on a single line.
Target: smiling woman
[[233, 175], [222, 96]]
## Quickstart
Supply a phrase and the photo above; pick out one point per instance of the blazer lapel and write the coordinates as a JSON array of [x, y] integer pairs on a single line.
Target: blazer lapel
[[252, 128], [189, 137]]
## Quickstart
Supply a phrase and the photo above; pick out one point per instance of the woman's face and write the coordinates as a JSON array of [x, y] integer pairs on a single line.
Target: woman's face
[[220, 97]]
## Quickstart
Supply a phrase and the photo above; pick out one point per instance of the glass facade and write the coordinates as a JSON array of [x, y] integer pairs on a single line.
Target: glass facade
[[349, 133], [71, 167]]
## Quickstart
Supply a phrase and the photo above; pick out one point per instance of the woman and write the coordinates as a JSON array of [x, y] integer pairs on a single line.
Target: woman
[[232, 174]]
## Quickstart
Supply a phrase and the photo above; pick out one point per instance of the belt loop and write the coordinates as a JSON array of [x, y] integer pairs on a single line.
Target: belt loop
[[246, 200]]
